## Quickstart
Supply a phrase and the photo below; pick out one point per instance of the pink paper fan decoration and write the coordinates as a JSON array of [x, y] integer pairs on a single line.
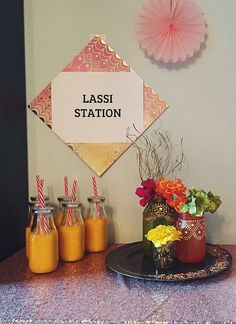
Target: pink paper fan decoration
[[171, 30]]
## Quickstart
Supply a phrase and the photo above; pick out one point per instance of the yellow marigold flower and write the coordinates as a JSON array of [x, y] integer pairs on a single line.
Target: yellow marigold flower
[[163, 234]]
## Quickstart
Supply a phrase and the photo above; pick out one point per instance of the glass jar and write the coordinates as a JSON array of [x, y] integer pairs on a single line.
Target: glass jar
[[32, 204], [192, 248], [43, 242], [96, 225], [71, 233], [59, 215]]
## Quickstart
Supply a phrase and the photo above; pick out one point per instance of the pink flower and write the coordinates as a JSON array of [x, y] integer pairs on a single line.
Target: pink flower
[[147, 191]]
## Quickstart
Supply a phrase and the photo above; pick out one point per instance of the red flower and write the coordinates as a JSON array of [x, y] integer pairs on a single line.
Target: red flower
[[147, 191]]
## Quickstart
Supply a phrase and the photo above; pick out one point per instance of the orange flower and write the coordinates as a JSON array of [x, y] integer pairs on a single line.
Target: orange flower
[[172, 190]]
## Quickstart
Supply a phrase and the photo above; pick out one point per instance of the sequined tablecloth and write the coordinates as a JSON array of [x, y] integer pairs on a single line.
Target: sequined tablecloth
[[88, 292]]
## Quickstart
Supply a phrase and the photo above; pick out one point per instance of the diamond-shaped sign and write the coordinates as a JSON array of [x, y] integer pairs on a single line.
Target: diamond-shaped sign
[[92, 103]]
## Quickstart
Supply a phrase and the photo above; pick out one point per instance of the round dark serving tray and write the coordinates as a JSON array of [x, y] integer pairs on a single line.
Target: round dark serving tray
[[130, 261]]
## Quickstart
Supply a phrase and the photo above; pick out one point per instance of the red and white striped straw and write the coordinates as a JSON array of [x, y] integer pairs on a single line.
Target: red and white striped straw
[[95, 193], [73, 194], [40, 192], [95, 190], [66, 186], [42, 203]]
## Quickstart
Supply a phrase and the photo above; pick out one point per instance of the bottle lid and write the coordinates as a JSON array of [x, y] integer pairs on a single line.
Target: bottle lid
[[96, 199], [64, 198], [71, 204], [34, 204], [47, 210], [35, 198]]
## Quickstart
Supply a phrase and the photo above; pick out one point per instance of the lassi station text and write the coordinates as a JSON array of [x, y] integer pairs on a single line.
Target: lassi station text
[[97, 112]]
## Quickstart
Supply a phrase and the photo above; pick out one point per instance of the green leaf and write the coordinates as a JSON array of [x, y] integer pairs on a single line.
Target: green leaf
[[199, 211], [199, 201], [192, 210], [215, 202], [184, 208], [192, 205]]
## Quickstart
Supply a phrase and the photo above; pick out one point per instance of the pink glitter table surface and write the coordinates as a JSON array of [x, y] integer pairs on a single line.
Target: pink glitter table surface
[[86, 291]]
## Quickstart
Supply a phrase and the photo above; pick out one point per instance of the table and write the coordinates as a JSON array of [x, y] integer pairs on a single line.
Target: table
[[88, 292]]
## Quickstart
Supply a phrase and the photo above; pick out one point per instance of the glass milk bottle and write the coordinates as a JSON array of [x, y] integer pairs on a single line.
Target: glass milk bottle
[[43, 242], [71, 233], [59, 214], [96, 225], [32, 204]]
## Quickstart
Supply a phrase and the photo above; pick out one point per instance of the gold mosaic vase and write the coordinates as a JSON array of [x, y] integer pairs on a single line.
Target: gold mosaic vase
[[156, 213], [163, 257]]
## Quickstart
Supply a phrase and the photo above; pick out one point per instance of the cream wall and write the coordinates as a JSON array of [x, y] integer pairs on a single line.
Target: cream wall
[[200, 93]]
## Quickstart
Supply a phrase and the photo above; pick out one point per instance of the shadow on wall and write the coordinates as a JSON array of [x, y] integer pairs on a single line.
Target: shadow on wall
[[111, 228], [179, 65], [214, 224]]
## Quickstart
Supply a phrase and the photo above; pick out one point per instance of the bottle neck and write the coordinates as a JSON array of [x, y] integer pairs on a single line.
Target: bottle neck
[[71, 216], [43, 222], [30, 214], [63, 199], [96, 209]]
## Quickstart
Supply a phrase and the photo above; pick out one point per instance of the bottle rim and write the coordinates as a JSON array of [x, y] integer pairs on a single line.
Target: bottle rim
[[64, 198], [71, 204], [35, 198], [96, 199], [46, 210], [34, 204]]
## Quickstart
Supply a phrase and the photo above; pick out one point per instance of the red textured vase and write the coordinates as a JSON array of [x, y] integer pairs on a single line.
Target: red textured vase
[[192, 248]]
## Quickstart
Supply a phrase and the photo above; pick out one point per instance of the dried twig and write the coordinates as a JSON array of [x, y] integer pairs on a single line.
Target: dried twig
[[155, 156]]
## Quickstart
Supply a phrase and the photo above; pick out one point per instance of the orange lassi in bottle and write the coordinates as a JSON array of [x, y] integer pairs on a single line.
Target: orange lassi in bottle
[[71, 233], [43, 242], [96, 225], [33, 203], [59, 215]]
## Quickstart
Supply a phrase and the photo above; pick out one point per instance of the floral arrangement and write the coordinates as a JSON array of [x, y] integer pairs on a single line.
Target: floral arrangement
[[170, 191], [163, 234], [164, 198], [199, 201], [156, 161]]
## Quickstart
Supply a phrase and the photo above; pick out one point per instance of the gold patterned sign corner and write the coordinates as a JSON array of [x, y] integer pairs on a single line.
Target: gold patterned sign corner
[[99, 156]]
